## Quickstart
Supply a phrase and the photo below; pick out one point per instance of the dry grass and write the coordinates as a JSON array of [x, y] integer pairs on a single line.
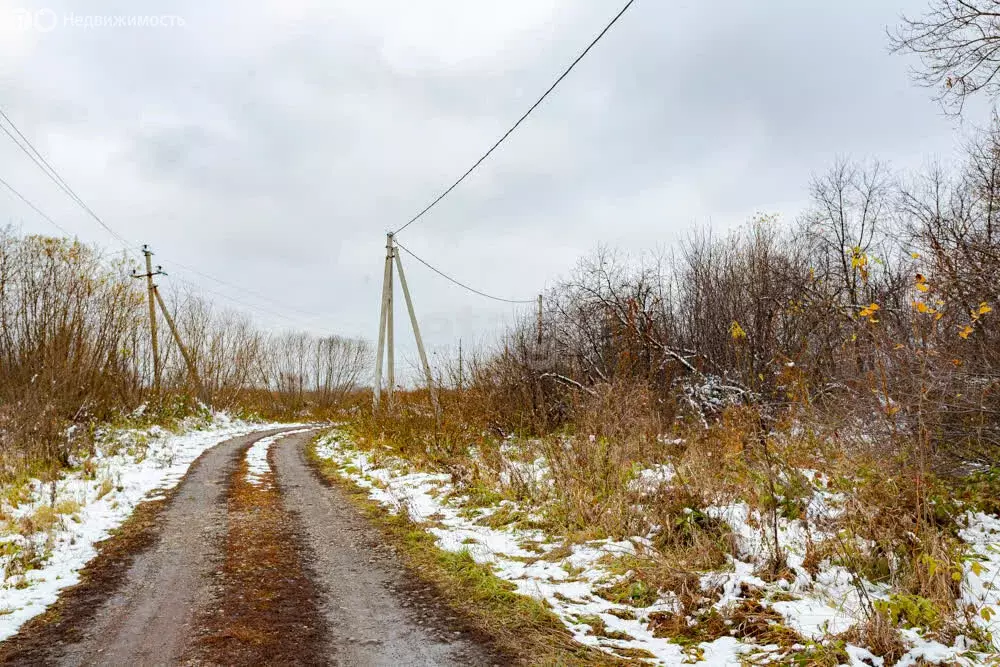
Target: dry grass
[[520, 627], [42, 520], [106, 487], [897, 525], [268, 609], [879, 636], [39, 640]]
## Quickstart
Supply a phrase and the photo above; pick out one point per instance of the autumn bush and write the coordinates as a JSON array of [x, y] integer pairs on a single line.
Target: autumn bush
[[75, 353], [852, 350]]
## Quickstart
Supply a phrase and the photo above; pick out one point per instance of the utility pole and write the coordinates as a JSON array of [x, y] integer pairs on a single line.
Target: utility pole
[[539, 321], [383, 320], [154, 299], [184, 351], [150, 289], [460, 378], [386, 334], [390, 328]]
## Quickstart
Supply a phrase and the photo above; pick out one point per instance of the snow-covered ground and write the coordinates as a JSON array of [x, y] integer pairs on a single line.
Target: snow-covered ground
[[257, 464], [981, 586], [569, 580], [130, 466]]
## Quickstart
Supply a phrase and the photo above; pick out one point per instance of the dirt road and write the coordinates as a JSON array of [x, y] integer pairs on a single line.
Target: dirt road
[[227, 572], [375, 612], [148, 621]]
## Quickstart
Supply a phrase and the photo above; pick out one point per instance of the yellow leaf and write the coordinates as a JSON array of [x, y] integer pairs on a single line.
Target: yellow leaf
[[868, 311], [984, 308], [986, 613], [915, 255], [965, 333], [976, 567], [736, 331], [922, 287]]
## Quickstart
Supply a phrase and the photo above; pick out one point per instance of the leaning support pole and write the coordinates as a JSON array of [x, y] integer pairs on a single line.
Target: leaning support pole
[[416, 334], [184, 351], [386, 288]]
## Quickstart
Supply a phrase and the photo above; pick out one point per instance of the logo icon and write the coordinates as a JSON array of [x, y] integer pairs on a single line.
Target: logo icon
[[45, 20]]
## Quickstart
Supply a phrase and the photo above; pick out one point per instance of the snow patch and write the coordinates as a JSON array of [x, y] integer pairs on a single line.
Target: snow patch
[[815, 605], [131, 466], [523, 556], [258, 466]]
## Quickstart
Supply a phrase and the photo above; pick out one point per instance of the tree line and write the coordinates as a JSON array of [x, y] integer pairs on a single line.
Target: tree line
[[75, 351]]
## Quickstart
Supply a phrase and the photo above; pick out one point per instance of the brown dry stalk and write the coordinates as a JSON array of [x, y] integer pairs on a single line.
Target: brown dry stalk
[[267, 611]]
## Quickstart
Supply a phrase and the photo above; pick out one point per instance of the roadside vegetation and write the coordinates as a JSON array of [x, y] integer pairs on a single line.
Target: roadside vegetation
[[776, 444], [807, 407], [75, 358]]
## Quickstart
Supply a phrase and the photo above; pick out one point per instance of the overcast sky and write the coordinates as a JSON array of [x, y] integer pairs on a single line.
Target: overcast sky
[[274, 143]]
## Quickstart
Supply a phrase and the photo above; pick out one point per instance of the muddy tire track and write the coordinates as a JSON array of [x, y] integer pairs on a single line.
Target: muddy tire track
[[266, 609], [376, 611], [137, 599]]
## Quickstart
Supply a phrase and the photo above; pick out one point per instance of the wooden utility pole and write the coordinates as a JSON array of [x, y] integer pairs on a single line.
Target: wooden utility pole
[[154, 299], [150, 290], [460, 378], [184, 351], [416, 334], [539, 321]]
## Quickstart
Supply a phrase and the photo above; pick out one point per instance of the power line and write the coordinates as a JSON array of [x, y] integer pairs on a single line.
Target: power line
[[47, 169], [29, 149], [460, 284], [250, 307], [33, 207], [221, 295], [35, 151], [245, 290], [521, 119]]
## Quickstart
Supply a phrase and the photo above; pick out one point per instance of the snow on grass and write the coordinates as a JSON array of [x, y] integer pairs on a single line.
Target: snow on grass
[[569, 579], [525, 557], [257, 464], [826, 604], [981, 585], [130, 466]]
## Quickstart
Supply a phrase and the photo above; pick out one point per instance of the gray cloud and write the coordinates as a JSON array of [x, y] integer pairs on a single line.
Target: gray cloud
[[274, 143]]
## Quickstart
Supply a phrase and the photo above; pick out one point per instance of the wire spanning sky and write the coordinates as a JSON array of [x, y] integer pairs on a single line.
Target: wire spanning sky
[[274, 143]]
